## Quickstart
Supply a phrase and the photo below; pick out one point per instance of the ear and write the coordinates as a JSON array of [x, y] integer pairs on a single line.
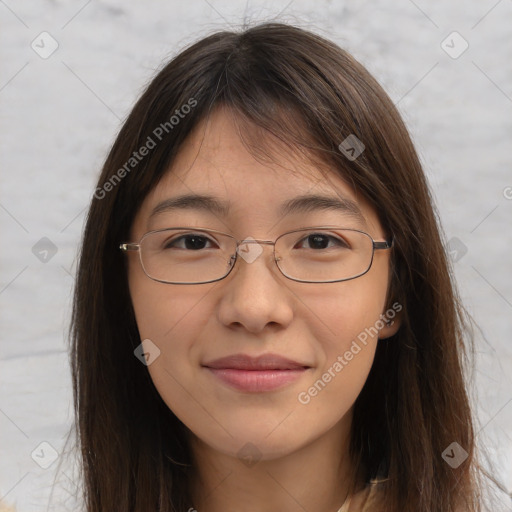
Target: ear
[[392, 320]]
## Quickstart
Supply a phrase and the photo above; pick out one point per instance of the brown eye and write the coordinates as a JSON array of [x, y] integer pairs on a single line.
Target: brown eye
[[191, 242], [322, 240]]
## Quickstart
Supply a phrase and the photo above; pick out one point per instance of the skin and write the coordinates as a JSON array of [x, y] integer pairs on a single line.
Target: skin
[[301, 449]]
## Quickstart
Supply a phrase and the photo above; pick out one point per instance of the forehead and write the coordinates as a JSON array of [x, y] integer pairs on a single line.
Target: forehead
[[214, 161], [217, 148]]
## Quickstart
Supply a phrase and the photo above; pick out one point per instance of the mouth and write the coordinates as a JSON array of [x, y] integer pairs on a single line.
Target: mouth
[[267, 372]]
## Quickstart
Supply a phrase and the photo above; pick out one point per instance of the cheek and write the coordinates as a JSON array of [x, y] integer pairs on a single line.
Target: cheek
[[340, 312], [158, 312], [172, 317], [346, 320], [163, 311]]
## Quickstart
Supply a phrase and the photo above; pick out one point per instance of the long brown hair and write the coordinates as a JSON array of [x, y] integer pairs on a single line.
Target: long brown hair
[[310, 94]]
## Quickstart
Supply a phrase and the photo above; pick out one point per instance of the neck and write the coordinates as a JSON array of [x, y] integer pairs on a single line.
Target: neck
[[316, 476]]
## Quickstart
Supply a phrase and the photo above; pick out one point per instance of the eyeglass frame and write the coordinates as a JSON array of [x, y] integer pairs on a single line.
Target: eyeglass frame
[[376, 245]]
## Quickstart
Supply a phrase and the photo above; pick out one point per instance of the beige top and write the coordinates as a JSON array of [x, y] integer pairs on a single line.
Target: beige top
[[364, 500]]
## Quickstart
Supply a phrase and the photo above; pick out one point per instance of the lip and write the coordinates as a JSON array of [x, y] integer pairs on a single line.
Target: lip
[[267, 372]]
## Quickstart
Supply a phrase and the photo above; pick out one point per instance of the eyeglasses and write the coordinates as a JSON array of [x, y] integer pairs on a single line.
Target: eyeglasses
[[325, 254]]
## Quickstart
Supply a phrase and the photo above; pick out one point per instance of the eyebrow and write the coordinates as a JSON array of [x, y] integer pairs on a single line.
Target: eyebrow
[[301, 204]]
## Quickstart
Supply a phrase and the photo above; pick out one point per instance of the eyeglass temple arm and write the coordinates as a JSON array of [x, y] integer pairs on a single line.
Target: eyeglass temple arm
[[383, 245], [129, 247]]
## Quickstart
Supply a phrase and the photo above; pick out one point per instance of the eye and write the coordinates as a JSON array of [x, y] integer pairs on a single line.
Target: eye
[[321, 241], [193, 242]]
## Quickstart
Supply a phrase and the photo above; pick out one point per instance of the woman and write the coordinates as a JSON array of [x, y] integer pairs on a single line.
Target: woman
[[264, 317]]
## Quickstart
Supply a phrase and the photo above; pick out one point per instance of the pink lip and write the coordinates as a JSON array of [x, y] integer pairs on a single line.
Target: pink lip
[[256, 374]]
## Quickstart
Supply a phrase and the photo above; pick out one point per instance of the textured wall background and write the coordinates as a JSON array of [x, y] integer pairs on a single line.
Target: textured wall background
[[60, 112]]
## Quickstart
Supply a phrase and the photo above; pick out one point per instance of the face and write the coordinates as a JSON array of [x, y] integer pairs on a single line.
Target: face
[[277, 405]]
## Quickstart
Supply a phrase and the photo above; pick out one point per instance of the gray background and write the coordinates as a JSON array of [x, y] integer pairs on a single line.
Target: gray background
[[60, 114]]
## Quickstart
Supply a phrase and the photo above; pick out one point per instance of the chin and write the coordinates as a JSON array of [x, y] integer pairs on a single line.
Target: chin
[[257, 440]]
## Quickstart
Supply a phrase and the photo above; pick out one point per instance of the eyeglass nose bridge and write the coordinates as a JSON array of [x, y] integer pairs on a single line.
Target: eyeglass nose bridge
[[239, 243], [254, 241]]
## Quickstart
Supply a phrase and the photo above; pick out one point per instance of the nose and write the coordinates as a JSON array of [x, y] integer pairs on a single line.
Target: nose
[[254, 293]]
